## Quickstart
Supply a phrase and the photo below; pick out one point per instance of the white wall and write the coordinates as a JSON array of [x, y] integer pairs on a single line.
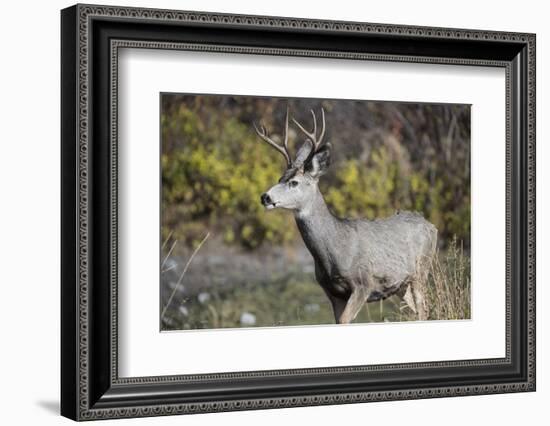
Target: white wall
[[29, 212]]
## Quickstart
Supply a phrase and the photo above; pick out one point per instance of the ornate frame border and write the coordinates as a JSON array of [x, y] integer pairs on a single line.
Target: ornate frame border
[[82, 406], [118, 44]]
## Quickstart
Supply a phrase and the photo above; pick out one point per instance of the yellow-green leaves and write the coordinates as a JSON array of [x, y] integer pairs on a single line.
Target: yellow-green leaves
[[213, 174]]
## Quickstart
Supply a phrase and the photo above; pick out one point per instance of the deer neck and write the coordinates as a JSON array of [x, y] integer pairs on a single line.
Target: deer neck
[[318, 228]]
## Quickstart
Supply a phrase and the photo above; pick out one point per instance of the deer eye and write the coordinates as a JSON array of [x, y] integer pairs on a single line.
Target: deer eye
[[293, 183]]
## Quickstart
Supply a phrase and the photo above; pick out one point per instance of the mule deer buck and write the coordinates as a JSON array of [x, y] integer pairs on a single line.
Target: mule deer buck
[[356, 260]]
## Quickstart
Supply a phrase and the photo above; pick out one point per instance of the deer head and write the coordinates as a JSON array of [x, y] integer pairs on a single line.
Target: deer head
[[297, 187]]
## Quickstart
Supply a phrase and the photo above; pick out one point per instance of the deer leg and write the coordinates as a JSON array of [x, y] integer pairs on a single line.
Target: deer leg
[[408, 298], [419, 300], [353, 306], [419, 287], [338, 306]]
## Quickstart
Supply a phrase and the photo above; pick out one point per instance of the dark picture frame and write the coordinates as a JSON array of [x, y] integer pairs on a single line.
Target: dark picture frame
[[90, 38]]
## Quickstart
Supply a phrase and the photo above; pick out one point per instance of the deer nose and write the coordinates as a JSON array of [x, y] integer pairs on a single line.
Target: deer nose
[[266, 199]]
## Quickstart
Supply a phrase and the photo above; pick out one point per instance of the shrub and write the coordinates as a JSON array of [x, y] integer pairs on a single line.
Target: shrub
[[212, 179]]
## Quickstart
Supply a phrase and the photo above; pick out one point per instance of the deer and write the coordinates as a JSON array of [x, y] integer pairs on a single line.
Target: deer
[[357, 260]]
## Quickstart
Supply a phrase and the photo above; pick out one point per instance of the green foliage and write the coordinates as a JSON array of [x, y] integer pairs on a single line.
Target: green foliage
[[214, 168], [379, 188], [364, 191], [212, 179]]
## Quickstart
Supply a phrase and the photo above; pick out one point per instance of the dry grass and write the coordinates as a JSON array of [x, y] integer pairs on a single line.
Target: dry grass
[[182, 274], [448, 289]]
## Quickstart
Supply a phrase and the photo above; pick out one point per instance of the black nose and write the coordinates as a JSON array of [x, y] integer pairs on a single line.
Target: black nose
[[266, 199]]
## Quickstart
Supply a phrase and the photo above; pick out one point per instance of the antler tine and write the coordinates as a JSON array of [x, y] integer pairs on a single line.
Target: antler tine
[[308, 134], [314, 126], [316, 142], [285, 141], [323, 129], [263, 134]]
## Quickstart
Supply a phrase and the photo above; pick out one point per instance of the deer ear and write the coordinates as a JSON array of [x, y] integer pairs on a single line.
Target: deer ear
[[320, 162], [303, 153]]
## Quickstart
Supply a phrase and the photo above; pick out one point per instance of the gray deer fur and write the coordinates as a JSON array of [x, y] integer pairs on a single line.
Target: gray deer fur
[[356, 260]]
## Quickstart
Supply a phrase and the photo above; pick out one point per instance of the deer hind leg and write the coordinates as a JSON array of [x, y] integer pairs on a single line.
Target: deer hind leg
[[418, 293], [420, 287], [413, 294], [408, 298]]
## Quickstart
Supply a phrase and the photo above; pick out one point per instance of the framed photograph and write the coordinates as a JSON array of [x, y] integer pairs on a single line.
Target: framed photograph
[[263, 212]]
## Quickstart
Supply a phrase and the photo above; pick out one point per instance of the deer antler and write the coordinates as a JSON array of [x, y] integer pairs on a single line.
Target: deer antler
[[262, 133], [313, 134]]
